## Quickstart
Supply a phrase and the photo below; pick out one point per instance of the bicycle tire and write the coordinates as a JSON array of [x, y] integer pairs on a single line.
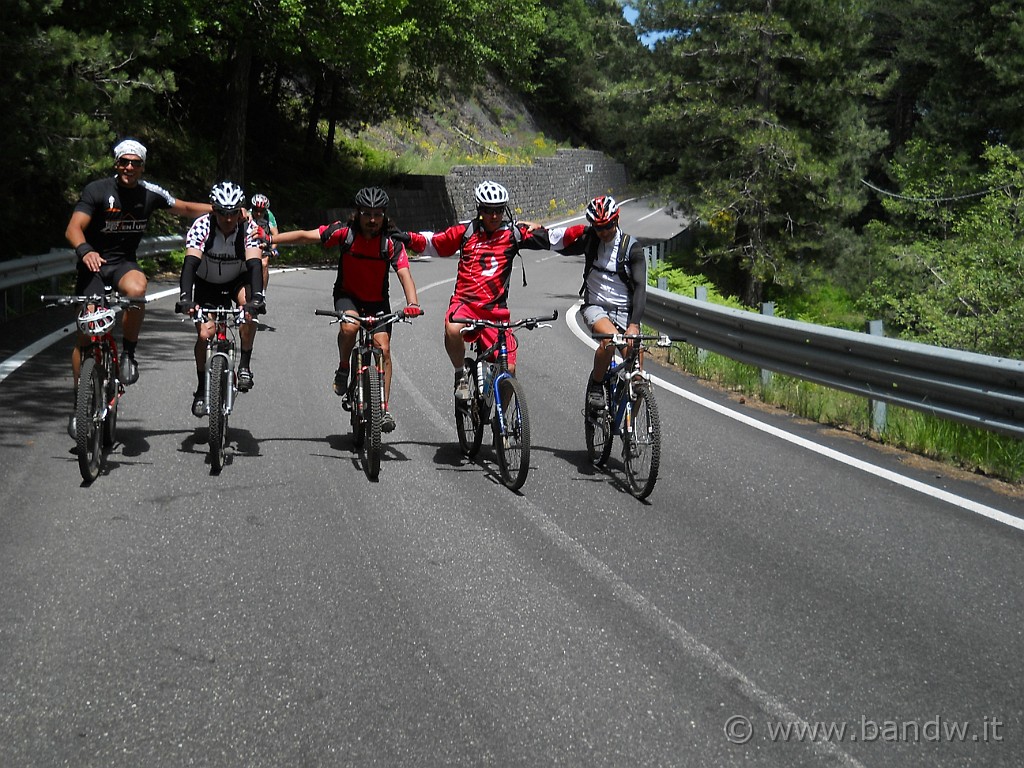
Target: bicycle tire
[[110, 394], [470, 417], [513, 446], [374, 414], [597, 429], [88, 431], [642, 444], [218, 419]]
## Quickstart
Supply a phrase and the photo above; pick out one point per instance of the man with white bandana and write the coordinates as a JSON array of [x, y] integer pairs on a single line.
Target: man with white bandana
[[105, 229]]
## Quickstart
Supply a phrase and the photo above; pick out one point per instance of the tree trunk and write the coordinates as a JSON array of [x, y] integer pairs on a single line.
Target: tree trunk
[[315, 108], [231, 164]]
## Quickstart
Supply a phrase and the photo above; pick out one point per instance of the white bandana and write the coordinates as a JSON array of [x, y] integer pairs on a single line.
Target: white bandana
[[130, 147]]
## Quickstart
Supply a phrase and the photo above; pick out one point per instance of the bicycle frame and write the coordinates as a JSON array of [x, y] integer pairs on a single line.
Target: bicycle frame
[[221, 344], [366, 384], [622, 378], [492, 385], [99, 386], [630, 405]]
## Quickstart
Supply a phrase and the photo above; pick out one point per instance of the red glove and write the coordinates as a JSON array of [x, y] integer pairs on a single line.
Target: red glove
[[413, 310]]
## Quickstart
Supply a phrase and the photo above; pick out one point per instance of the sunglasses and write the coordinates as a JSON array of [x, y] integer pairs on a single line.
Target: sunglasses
[[226, 212], [372, 214], [488, 210], [604, 227], [125, 162]]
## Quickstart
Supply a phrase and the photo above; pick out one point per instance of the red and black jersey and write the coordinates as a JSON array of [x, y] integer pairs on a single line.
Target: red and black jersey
[[485, 266], [364, 262]]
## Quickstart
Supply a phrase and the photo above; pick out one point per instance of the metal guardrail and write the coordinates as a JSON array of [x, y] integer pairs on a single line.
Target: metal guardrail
[[60, 261], [979, 390]]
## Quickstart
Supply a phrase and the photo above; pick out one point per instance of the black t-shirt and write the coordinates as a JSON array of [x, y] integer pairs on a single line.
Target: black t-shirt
[[120, 215]]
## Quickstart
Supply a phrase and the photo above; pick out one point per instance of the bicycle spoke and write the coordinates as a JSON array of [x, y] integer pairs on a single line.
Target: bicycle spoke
[[642, 444], [597, 430], [512, 441], [89, 430]]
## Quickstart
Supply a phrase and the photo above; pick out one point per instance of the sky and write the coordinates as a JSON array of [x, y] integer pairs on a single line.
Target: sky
[[630, 14]]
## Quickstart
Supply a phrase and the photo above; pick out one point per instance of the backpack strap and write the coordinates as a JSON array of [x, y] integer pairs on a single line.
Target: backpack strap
[[622, 268], [240, 232]]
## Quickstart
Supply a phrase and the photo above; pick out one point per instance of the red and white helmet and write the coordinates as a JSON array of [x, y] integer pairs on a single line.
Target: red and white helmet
[[603, 210], [260, 202]]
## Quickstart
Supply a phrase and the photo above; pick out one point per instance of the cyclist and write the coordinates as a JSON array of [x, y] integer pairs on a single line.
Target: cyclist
[[614, 281], [105, 229], [265, 220], [222, 264], [361, 287], [488, 244]]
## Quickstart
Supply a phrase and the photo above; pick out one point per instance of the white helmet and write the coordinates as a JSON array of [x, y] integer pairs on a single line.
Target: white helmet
[[226, 195], [490, 193], [97, 322]]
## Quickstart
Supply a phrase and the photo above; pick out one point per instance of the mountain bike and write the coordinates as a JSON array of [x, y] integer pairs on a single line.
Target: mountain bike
[[630, 411], [364, 395], [492, 386], [221, 377], [99, 378]]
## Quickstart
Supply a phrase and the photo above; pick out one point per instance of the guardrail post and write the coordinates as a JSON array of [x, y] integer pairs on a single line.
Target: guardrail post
[[876, 408], [768, 310], [700, 293]]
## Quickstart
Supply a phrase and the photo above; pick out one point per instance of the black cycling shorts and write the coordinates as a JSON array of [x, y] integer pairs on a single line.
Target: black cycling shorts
[[207, 294], [89, 283]]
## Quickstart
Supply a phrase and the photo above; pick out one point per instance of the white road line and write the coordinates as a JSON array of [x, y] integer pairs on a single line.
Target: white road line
[[650, 214], [886, 474]]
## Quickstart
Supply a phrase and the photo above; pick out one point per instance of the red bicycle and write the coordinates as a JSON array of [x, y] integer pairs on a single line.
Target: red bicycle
[[99, 378]]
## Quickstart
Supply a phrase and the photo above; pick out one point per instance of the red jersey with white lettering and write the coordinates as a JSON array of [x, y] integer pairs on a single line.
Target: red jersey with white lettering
[[485, 266]]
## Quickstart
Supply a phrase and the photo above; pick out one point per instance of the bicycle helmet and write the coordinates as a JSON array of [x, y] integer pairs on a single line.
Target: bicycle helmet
[[94, 323], [260, 202], [490, 193], [603, 210], [225, 195], [372, 197]]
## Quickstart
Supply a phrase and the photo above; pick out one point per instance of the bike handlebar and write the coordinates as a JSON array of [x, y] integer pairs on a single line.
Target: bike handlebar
[[107, 300], [620, 339], [372, 321], [527, 322]]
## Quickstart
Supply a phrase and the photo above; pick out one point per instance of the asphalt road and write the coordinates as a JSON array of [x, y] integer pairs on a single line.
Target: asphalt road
[[288, 612]]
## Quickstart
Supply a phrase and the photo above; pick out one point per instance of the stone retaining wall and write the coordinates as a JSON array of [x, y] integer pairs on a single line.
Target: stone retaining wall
[[550, 186]]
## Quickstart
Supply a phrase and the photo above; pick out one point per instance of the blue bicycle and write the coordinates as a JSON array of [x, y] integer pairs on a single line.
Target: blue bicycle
[[630, 411], [493, 386]]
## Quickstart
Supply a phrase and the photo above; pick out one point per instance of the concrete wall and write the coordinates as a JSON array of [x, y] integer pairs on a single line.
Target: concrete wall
[[550, 186]]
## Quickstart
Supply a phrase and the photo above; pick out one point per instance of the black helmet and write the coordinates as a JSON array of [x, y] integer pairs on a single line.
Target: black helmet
[[372, 197]]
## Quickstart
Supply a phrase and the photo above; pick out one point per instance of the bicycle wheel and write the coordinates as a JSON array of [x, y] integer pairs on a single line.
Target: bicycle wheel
[[642, 444], [218, 418], [374, 412], [512, 445], [88, 429], [597, 429], [111, 396], [470, 417]]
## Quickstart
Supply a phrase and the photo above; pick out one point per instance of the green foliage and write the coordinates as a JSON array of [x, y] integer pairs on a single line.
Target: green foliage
[[953, 275], [764, 107]]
